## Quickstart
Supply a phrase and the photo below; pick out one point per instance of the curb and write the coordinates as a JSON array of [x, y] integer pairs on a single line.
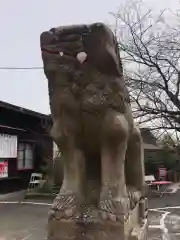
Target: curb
[[13, 196], [39, 196]]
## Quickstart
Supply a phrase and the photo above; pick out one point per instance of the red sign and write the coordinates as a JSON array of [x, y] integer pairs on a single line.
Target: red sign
[[162, 173], [3, 168]]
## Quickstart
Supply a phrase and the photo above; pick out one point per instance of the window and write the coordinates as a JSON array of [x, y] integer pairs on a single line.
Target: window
[[25, 156]]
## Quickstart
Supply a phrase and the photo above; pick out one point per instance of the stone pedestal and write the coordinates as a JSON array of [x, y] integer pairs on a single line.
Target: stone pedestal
[[92, 227]]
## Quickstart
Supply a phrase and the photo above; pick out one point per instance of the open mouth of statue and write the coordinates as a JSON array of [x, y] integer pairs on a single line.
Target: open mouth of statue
[[81, 56], [49, 51]]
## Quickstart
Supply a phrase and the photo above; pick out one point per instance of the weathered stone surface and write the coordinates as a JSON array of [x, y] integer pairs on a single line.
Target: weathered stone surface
[[94, 129], [92, 226]]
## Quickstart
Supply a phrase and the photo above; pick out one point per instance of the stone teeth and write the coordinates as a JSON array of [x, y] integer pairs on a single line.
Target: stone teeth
[[112, 217], [81, 57]]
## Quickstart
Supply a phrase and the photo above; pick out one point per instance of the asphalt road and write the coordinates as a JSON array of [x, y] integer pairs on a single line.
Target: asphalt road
[[28, 221], [164, 217], [23, 222], [164, 224]]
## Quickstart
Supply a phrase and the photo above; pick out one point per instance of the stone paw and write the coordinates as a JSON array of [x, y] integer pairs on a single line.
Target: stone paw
[[64, 206], [134, 196], [115, 209]]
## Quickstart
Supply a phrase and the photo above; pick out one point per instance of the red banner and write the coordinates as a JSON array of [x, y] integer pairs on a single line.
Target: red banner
[[3, 168], [162, 173]]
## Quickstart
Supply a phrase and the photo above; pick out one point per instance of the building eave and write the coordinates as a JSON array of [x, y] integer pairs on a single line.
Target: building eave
[[24, 110]]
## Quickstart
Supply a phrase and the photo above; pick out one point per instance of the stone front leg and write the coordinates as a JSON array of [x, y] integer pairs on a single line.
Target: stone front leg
[[68, 200], [73, 172], [114, 202], [134, 167]]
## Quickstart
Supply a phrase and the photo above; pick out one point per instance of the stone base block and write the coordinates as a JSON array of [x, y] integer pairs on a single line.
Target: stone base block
[[96, 229]]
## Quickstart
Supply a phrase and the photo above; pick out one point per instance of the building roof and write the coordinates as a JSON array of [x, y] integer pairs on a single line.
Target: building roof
[[148, 136], [8, 127], [23, 110], [148, 146], [149, 140]]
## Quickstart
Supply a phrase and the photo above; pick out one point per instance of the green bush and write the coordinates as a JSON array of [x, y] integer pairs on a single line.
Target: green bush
[[46, 188]]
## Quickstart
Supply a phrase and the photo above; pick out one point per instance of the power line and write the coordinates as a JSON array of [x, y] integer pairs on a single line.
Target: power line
[[20, 68]]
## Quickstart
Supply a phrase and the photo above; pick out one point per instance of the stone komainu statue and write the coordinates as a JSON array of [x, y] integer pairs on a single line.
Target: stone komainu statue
[[92, 123]]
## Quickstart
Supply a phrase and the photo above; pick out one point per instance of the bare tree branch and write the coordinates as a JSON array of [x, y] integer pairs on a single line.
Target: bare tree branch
[[150, 49]]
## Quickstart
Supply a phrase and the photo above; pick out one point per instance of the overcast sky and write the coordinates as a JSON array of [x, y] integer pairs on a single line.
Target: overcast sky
[[21, 23]]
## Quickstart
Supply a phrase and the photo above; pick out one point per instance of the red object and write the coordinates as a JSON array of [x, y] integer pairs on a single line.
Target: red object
[[49, 51], [162, 173], [160, 183]]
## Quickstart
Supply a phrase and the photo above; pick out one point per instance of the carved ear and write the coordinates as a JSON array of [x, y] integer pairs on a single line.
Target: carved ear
[[46, 38], [101, 49]]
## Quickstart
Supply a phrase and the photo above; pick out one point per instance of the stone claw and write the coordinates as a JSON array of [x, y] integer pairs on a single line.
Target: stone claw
[[103, 215], [63, 207], [114, 210], [134, 196]]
